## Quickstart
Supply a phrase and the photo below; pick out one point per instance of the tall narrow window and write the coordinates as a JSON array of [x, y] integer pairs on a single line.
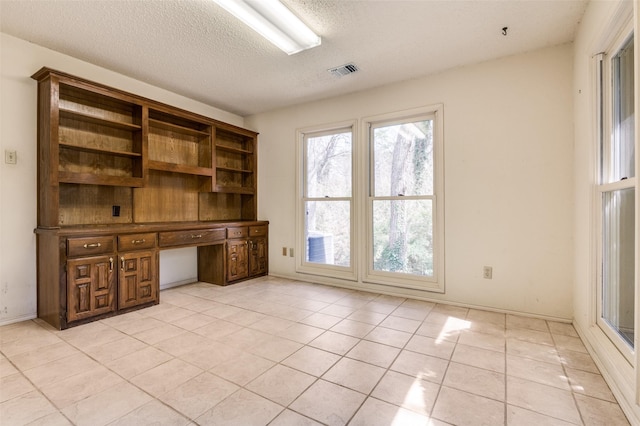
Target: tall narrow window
[[327, 200], [617, 194], [403, 202]]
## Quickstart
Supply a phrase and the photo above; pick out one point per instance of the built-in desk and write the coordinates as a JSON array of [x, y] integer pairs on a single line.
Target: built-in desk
[[92, 272]]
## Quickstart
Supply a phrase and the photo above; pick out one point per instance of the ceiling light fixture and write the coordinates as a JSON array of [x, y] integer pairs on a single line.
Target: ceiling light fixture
[[272, 20]]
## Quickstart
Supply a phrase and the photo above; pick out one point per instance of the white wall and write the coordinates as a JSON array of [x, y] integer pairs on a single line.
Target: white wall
[[508, 176], [18, 61], [590, 40]]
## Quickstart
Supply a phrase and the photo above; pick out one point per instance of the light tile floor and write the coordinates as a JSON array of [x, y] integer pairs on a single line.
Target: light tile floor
[[279, 352]]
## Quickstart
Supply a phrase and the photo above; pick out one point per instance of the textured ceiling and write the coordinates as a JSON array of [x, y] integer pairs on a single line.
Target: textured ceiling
[[196, 49]]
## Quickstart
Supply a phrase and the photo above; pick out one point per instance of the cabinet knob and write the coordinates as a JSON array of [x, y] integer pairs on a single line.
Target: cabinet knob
[[92, 245], [111, 264], [122, 263]]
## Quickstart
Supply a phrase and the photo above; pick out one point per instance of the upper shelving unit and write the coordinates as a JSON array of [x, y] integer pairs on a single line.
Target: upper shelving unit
[[107, 147]]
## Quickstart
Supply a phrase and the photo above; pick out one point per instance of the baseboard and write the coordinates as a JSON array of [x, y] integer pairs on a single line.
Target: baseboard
[[14, 320]]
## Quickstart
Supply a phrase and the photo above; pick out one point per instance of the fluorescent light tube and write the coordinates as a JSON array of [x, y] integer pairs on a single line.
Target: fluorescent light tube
[[273, 21]]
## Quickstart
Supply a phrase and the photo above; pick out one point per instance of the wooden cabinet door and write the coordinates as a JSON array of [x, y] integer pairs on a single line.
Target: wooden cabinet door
[[257, 256], [90, 287], [237, 265], [138, 282]]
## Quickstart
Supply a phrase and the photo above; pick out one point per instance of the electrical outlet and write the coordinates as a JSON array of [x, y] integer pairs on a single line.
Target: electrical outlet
[[291, 252], [487, 272], [284, 251], [10, 156]]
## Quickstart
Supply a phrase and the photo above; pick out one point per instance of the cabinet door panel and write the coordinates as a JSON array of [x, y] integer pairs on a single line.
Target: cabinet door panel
[[90, 287], [237, 265], [257, 256], [138, 282]]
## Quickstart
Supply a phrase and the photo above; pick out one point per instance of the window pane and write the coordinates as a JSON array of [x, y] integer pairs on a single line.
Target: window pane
[[403, 236], [329, 165], [618, 261], [621, 163], [327, 232], [403, 159]]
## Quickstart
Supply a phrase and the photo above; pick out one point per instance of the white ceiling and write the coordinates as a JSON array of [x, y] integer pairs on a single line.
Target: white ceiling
[[196, 49]]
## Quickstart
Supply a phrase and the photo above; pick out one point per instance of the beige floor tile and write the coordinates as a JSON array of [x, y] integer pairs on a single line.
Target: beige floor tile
[[152, 413], [110, 351], [43, 355], [589, 384], [14, 385], [311, 360], [165, 377], [596, 412], [276, 348], [193, 322], [138, 362], [421, 366], [356, 375], [334, 342], [320, 320], [244, 339], [439, 332], [291, 418], [487, 317], [328, 403], [461, 408], [410, 313], [281, 384], [338, 310], [379, 413], [478, 357], [374, 353], [535, 351], [60, 369], [487, 328], [106, 406], [543, 399], [199, 394], [569, 343], [65, 392], [418, 304], [245, 318], [389, 337], [53, 419], [137, 325], [29, 343], [367, 317], [301, 333], [537, 371], [6, 367], [271, 325], [25, 408], [517, 416], [218, 329], [578, 361], [533, 336], [475, 380], [516, 321], [562, 328], [210, 354], [92, 334], [353, 328], [182, 343], [170, 315], [242, 369], [483, 340], [450, 310], [157, 334], [241, 408], [408, 392], [401, 324], [430, 346]]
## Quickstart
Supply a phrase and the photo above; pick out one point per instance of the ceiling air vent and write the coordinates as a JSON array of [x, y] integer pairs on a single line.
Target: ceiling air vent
[[343, 70]]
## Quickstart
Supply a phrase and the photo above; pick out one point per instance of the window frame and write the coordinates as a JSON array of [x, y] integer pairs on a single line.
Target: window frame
[[436, 283], [603, 183], [314, 268]]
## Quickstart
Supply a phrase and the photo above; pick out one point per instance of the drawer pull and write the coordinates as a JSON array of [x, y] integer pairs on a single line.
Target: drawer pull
[[92, 245], [122, 263], [111, 264], [193, 236], [142, 241]]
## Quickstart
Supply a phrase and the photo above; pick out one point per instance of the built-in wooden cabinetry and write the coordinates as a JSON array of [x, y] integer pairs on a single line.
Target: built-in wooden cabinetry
[[121, 177]]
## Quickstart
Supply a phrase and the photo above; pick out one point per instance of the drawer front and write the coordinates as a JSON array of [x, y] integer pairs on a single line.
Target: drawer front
[[258, 231], [239, 232], [136, 241], [193, 237], [88, 246]]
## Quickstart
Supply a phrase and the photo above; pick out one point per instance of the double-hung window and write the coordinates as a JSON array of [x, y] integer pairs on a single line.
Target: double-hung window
[[615, 194], [326, 206]]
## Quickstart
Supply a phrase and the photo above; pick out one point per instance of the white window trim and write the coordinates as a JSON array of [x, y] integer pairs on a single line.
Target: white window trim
[[302, 266], [611, 45], [437, 282]]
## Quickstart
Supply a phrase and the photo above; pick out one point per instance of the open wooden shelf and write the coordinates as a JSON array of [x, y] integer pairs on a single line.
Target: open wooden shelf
[[88, 118], [100, 150], [180, 168]]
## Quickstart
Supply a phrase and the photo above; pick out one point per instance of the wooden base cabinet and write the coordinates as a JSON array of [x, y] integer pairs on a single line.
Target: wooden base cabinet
[[237, 257], [138, 281], [90, 287]]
